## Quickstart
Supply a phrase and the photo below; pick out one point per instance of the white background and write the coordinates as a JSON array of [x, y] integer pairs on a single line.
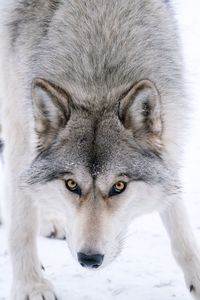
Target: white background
[[146, 269]]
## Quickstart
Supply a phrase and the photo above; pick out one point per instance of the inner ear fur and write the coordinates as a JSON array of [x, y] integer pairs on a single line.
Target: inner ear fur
[[140, 111], [51, 109]]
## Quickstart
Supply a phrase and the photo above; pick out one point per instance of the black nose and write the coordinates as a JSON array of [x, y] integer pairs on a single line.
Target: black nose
[[90, 261]]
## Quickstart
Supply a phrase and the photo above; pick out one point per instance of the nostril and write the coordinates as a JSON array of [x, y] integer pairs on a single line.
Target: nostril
[[95, 266], [82, 264], [90, 261]]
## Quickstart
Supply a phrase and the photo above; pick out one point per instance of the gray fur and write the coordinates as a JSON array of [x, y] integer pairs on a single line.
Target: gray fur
[[98, 90], [97, 142], [94, 47], [92, 50]]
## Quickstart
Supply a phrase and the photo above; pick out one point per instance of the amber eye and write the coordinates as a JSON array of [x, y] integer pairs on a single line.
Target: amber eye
[[117, 188], [72, 186]]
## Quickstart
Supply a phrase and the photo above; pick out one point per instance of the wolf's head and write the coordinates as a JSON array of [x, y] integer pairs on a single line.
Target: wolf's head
[[105, 163]]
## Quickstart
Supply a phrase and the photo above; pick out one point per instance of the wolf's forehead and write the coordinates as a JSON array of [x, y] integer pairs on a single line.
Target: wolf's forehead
[[134, 165], [98, 144], [102, 159], [94, 156], [97, 153], [100, 147], [114, 156]]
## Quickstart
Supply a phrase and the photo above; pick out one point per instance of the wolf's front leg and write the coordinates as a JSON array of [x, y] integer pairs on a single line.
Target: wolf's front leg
[[53, 221], [28, 281], [183, 244]]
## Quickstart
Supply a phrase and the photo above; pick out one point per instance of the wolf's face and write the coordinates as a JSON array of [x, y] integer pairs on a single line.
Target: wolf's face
[[105, 165]]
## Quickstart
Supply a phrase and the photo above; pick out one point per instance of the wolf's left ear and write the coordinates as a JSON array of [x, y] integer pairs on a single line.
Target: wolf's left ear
[[51, 110], [140, 111]]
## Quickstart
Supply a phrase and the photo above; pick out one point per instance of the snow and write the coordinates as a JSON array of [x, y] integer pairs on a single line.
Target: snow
[[145, 269]]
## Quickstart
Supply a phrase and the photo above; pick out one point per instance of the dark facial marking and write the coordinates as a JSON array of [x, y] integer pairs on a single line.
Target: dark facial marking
[[93, 161], [192, 288], [1, 146]]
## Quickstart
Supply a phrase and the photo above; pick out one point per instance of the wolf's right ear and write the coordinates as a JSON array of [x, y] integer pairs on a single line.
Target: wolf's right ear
[[140, 112], [51, 110]]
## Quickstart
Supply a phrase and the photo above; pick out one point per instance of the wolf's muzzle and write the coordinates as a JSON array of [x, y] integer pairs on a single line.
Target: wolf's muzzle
[[90, 261]]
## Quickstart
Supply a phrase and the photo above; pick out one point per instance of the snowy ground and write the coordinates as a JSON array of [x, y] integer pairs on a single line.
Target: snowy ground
[[145, 270]]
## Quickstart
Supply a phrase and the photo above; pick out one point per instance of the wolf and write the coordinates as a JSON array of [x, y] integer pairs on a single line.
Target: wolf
[[93, 110]]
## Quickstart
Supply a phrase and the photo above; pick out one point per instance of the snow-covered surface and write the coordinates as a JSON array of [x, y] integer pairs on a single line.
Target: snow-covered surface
[[146, 269]]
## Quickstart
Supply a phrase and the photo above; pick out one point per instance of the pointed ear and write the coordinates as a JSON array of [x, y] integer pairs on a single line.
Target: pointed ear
[[51, 110], [140, 111]]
